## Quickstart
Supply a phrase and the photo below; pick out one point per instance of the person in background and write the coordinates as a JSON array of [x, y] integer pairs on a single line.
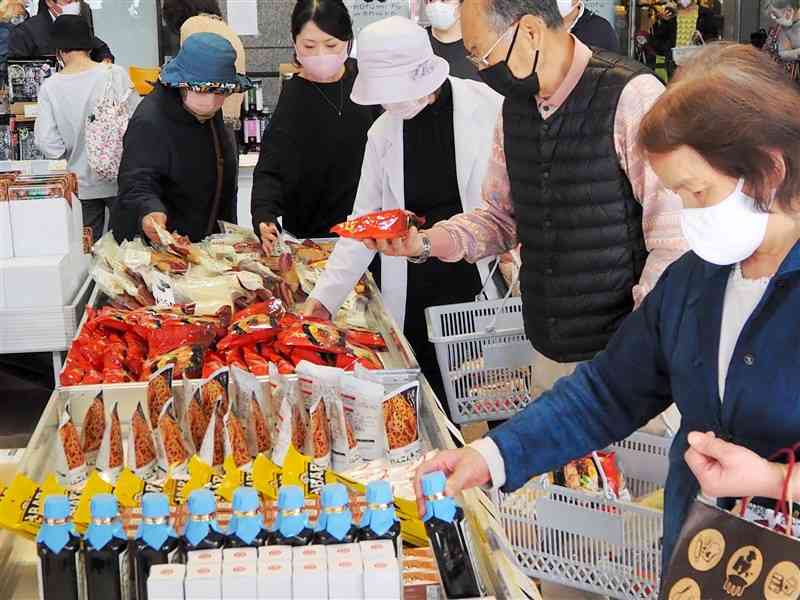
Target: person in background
[[591, 29], [427, 154], [310, 162], [680, 26], [178, 167], [61, 126], [187, 17], [446, 40], [12, 13], [783, 39], [33, 38], [718, 335]]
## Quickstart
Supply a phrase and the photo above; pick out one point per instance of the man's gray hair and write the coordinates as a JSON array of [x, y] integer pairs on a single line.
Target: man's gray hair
[[501, 14]]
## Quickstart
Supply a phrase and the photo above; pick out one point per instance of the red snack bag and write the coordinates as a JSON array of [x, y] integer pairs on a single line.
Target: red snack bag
[[364, 337], [188, 360], [256, 363], [235, 358], [213, 362], [301, 354], [136, 352], [71, 375], [314, 334], [272, 307], [175, 334], [250, 330], [358, 354], [382, 225], [91, 377]]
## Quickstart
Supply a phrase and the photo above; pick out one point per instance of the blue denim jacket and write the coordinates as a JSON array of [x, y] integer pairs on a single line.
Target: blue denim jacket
[[669, 349]]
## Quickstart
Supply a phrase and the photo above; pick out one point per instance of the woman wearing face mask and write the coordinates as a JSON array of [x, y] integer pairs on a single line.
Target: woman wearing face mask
[[593, 30], [446, 39], [61, 126], [680, 26], [718, 334], [311, 156], [33, 38], [428, 153], [783, 39], [178, 167]]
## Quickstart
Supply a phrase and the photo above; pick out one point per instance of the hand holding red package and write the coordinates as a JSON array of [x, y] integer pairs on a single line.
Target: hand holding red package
[[382, 225]]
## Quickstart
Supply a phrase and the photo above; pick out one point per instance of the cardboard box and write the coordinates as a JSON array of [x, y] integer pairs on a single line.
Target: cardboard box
[[46, 226], [344, 552], [382, 579], [314, 552], [203, 581], [41, 281], [275, 554], [310, 579], [378, 549], [6, 242], [239, 555], [165, 582], [345, 579], [204, 557], [274, 580], [239, 580]]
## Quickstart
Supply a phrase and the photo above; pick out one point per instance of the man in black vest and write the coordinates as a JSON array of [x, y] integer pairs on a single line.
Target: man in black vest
[[565, 180]]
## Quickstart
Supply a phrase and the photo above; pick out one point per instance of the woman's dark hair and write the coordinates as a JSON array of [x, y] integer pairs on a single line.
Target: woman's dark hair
[[736, 107], [176, 12], [330, 16]]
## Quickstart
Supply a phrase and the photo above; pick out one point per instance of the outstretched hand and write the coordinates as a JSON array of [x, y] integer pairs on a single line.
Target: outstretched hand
[[465, 468]]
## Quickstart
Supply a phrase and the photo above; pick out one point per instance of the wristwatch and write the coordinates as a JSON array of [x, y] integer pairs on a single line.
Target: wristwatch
[[425, 254]]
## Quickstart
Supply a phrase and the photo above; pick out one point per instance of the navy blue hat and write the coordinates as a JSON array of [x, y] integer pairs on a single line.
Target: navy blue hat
[[205, 63]]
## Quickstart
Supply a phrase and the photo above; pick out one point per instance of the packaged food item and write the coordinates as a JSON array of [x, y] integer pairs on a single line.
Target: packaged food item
[[253, 411], [203, 581], [251, 329], [443, 522], [212, 362], [382, 578], [142, 456], [345, 579], [335, 524], [310, 580], [187, 360], [176, 244], [256, 363], [94, 424], [20, 505], [239, 580], [212, 449], [174, 455], [381, 225], [246, 528], [174, 334], [366, 338], [319, 438], [291, 421], [165, 581], [291, 526], [214, 391], [159, 391], [58, 546], [202, 531], [401, 424], [266, 477], [363, 401], [197, 421], [107, 562], [362, 355], [597, 473], [379, 520], [156, 542], [344, 447], [274, 581], [111, 456], [70, 458], [314, 334], [236, 441]]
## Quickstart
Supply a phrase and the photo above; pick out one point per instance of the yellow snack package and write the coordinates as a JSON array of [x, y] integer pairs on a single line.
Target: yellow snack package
[[233, 479], [267, 477], [129, 489], [19, 508], [94, 485], [200, 474]]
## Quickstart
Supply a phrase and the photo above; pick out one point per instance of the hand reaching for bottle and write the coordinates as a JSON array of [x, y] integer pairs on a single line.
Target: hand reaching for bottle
[[465, 468]]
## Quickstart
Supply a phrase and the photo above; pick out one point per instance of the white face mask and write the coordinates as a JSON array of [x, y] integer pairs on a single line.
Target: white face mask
[[442, 15], [728, 232], [74, 8], [565, 7], [406, 110]]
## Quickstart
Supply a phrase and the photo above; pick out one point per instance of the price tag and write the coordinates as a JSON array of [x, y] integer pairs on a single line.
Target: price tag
[[162, 290]]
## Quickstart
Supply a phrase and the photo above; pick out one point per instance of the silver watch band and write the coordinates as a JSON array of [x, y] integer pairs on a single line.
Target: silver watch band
[[426, 252]]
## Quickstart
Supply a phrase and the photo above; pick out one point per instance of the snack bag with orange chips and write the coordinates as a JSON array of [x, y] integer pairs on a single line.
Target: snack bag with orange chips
[[318, 440], [215, 390], [196, 422], [236, 442], [401, 424], [142, 454], [20, 506], [292, 416], [253, 411], [111, 457], [70, 458], [94, 425], [363, 403], [159, 391], [344, 446], [175, 456]]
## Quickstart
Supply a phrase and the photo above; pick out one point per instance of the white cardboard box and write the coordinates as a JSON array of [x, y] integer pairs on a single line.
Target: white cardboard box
[[203, 581], [345, 579], [6, 242], [275, 554], [377, 549], [239, 555], [165, 582], [274, 580], [310, 579], [41, 281], [239, 580], [315, 552], [204, 556], [382, 579], [46, 226], [344, 552]]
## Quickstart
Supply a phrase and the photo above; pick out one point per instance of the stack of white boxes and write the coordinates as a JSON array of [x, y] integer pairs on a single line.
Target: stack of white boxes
[[341, 572]]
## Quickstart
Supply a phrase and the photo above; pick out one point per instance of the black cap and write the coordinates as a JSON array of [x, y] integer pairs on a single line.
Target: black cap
[[71, 32]]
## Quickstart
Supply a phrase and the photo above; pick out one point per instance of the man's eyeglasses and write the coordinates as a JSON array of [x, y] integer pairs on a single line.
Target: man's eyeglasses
[[482, 63]]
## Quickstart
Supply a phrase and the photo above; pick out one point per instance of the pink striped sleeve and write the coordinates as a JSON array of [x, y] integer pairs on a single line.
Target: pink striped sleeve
[[661, 208]]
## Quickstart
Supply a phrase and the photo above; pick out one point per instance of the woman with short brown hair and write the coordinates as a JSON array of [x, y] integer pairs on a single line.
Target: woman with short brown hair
[[718, 334]]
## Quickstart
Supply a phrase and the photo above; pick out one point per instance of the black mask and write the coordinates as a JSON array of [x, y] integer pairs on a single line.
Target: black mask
[[500, 78]]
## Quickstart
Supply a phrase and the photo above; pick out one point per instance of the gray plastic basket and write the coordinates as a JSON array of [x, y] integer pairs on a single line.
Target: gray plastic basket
[[587, 541], [485, 359]]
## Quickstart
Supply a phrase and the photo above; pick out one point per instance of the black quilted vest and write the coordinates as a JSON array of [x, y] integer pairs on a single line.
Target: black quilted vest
[[578, 221]]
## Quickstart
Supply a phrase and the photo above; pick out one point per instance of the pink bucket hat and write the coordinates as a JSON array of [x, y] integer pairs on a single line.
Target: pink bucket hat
[[396, 63]]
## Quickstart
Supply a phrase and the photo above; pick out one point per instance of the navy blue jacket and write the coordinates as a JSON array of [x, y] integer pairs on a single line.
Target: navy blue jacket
[[669, 349]]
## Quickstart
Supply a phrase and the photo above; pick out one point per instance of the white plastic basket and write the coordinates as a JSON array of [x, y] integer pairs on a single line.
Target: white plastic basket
[[587, 541], [484, 356]]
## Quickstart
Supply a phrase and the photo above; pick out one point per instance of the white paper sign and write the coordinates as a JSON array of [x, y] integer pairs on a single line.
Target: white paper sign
[[365, 12], [243, 16]]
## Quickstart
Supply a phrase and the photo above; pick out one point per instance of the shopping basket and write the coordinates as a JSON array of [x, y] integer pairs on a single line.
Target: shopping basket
[[590, 542], [485, 359]]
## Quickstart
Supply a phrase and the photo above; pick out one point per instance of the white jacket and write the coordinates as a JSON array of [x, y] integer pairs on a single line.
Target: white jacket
[[382, 187]]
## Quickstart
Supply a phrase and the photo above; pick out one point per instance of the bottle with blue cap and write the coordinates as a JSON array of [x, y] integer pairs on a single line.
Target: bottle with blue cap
[[156, 541], [202, 531], [246, 527], [291, 524], [443, 522], [335, 524], [108, 569], [58, 546], [379, 520]]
